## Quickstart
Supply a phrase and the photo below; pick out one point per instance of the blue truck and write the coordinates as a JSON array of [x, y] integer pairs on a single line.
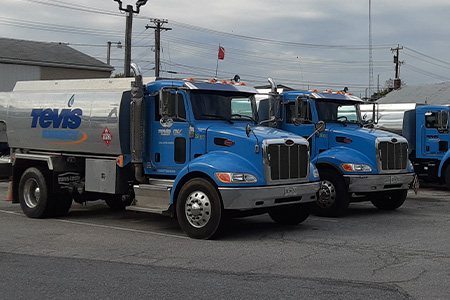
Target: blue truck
[[190, 150], [355, 163], [426, 127]]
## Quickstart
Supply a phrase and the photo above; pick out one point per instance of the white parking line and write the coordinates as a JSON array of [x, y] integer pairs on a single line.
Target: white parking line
[[105, 226]]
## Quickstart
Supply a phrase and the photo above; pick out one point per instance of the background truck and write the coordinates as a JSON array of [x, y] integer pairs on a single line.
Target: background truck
[[426, 127], [174, 147], [5, 159], [355, 163]]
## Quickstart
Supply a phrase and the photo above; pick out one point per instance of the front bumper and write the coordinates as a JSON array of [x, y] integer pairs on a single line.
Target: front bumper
[[245, 198], [378, 183]]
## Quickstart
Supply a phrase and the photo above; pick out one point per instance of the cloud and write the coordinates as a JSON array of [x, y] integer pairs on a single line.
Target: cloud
[[419, 25]]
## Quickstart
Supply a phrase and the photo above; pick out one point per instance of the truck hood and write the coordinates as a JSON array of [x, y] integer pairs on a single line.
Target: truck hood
[[354, 131], [237, 133], [360, 139]]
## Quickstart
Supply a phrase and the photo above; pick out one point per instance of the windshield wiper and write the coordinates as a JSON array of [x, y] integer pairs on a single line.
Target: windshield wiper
[[244, 117], [218, 118]]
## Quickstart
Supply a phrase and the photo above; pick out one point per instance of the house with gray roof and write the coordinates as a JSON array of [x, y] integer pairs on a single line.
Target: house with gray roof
[[22, 60], [435, 93]]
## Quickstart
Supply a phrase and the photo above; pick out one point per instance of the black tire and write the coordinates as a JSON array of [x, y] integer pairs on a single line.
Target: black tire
[[447, 176], [34, 194], [289, 214], [390, 201], [117, 204], [199, 209], [61, 205], [333, 198]]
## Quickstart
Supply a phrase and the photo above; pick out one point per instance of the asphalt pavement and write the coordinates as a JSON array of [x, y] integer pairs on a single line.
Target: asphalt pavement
[[94, 252]]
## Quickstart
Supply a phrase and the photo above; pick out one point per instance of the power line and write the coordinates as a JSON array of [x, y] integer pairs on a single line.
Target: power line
[[427, 56], [240, 57], [426, 73], [63, 4]]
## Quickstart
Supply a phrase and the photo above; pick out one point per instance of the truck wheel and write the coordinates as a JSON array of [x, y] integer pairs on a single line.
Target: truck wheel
[[333, 198], [34, 196], [447, 176], [199, 209], [390, 201], [289, 214]]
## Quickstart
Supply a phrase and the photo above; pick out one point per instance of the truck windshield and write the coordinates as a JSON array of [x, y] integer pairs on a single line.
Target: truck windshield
[[214, 105], [335, 111]]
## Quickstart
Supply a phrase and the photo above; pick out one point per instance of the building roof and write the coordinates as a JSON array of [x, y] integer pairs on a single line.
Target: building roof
[[43, 54], [437, 94]]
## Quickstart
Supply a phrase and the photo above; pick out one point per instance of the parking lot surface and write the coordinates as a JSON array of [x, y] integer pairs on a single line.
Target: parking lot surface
[[366, 254]]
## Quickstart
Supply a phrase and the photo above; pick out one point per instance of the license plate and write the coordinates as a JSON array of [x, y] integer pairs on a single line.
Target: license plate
[[395, 179], [290, 191]]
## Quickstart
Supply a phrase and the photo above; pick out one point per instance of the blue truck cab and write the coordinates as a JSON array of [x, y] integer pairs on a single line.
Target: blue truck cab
[[427, 130], [204, 140], [355, 163]]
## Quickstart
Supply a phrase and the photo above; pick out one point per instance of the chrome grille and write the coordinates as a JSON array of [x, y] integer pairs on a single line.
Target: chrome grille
[[393, 155], [286, 162]]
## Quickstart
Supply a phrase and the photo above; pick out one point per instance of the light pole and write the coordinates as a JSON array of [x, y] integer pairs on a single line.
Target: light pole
[[108, 53], [129, 10]]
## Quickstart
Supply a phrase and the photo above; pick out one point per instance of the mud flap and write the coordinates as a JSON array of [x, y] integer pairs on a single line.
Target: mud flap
[[414, 185]]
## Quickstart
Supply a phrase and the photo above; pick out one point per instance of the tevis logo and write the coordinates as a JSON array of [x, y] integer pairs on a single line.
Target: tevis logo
[[58, 126], [67, 118]]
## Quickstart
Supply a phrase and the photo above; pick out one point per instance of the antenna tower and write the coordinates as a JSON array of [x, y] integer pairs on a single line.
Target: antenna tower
[[370, 52]]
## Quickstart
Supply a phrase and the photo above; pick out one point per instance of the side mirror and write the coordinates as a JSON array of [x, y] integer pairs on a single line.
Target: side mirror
[[443, 120], [166, 107], [368, 124], [301, 111], [248, 129], [318, 127]]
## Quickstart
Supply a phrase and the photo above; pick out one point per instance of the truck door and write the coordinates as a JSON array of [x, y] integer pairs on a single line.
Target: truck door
[[170, 144], [435, 133]]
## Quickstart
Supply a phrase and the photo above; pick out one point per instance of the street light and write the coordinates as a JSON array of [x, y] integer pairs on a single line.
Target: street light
[[128, 30], [108, 53]]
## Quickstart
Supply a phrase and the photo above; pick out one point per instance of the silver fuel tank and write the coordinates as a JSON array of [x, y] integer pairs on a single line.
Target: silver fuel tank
[[85, 116]]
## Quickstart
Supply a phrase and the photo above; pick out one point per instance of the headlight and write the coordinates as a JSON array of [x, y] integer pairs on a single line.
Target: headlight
[[356, 168], [235, 177], [315, 173]]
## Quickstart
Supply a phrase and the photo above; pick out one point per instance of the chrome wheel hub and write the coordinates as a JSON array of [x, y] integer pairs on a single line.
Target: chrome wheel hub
[[198, 209], [327, 194], [31, 193]]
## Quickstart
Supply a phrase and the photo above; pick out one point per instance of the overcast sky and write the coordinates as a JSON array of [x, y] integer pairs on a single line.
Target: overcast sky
[[300, 43]]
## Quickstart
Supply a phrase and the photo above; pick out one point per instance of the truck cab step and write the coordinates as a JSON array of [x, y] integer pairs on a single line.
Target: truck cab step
[[152, 197]]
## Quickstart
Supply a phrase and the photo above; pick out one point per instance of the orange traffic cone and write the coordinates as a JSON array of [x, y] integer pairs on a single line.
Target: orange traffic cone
[[9, 196]]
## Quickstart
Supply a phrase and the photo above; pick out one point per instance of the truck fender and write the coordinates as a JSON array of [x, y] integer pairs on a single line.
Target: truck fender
[[216, 161], [339, 155], [443, 164]]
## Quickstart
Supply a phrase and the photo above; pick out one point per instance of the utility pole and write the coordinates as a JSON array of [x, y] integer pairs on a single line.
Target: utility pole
[[129, 10], [108, 52], [398, 63], [158, 27]]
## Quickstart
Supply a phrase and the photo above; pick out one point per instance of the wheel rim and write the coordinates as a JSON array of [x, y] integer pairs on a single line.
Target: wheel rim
[[198, 209], [327, 194], [31, 193]]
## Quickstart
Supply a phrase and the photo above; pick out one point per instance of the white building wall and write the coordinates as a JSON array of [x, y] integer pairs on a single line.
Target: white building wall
[[10, 74]]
